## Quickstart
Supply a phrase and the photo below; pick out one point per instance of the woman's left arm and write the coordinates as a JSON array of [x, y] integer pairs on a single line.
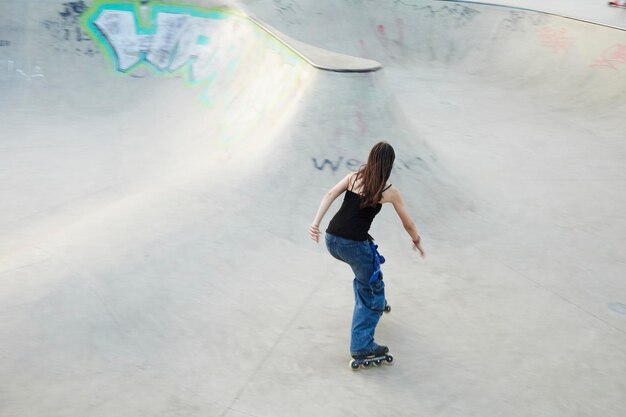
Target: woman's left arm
[[327, 200]]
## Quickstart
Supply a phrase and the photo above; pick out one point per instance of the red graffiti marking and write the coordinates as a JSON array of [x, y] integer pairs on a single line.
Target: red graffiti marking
[[382, 36], [555, 39], [612, 57]]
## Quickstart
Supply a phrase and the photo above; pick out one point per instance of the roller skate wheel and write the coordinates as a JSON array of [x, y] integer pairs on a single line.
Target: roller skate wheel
[[367, 363], [388, 360], [387, 309], [378, 362], [354, 365]]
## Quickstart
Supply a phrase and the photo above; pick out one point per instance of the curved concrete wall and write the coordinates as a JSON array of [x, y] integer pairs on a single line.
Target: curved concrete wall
[[562, 60]]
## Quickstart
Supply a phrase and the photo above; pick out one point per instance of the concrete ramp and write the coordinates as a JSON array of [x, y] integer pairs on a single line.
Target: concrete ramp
[[160, 163]]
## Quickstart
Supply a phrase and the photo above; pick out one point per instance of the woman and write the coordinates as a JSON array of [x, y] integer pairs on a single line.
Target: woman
[[347, 239]]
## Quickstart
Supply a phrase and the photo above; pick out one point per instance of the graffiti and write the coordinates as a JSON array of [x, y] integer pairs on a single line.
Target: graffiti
[[353, 164], [13, 69], [555, 39], [515, 21], [287, 10], [4, 43], [612, 57], [381, 32], [175, 37], [458, 14], [518, 20], [238, 68], [66, 32], [73, 10], [380, 29]]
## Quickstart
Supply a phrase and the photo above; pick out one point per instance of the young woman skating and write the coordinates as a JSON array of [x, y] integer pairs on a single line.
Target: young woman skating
[[347, 240]]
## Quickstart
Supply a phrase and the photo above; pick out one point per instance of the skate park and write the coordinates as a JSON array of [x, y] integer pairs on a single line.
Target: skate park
[[160, 163]]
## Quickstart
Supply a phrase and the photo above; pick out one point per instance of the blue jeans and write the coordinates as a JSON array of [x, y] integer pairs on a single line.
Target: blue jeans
[[369, 300]]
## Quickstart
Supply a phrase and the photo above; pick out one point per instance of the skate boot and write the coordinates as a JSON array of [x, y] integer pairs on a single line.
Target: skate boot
[[373, 357]]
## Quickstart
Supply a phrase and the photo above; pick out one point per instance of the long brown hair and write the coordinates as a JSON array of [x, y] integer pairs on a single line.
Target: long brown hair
[[375, 173]]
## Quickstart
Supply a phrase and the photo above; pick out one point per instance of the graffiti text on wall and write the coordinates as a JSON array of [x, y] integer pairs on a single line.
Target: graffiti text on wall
[[351, 164], [612, 58], [167, 38], [66, 33], [556, 39], [4, 43]]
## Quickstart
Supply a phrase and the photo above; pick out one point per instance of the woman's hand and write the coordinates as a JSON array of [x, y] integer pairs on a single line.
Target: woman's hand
[[417, 246], [314, 232]]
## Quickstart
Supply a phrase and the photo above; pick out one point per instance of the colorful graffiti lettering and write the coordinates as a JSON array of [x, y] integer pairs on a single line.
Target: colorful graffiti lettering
[[205, 46], [165, 37], [242, 70], [612, 57], [555, 39]]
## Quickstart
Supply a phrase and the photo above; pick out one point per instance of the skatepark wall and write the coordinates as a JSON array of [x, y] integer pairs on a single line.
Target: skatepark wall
[[563, 62], [128, 94], [97, 89]]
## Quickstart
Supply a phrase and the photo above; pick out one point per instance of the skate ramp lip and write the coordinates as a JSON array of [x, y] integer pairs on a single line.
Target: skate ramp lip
[[319, 58]]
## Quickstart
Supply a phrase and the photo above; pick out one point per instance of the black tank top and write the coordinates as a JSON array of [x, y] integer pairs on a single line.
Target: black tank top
[[351, 221]]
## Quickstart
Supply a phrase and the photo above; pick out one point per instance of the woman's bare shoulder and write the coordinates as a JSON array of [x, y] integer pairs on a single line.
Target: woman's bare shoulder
[[390, 195]]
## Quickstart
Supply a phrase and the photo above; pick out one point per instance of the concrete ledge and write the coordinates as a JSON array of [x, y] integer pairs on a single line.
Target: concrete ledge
[[321, 58]]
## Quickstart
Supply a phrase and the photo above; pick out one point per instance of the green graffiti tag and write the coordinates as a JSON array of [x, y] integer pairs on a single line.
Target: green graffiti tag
[[166, 38]]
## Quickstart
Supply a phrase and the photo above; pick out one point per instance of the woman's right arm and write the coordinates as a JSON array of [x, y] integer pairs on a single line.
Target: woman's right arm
[[327, 200], [407, 222]]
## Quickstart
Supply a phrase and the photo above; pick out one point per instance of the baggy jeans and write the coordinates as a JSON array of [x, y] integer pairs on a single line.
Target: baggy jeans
[[369, 300]]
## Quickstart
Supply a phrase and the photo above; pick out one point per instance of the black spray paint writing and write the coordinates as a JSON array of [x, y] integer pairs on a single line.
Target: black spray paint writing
[[458, 13], [518, 21], [4, 43], [73, 10], [66, 31], [352, 164]]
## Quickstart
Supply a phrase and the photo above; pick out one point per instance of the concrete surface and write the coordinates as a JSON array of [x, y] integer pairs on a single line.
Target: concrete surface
[[160, 165]]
